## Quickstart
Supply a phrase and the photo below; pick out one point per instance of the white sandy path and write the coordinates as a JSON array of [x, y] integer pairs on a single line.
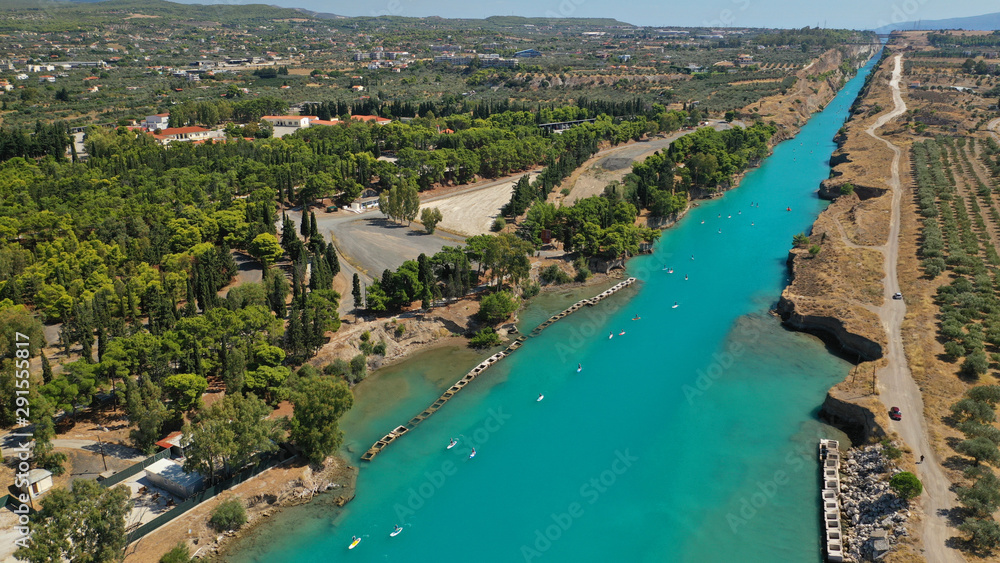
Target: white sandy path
[[896, 385]]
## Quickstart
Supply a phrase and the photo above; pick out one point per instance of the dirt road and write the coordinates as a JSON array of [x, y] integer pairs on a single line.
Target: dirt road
[[896, 385]]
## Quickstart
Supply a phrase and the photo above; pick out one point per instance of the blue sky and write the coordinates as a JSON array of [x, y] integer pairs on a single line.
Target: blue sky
[[859, 14]]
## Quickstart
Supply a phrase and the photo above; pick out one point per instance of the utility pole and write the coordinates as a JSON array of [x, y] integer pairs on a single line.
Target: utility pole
[[102, 453]]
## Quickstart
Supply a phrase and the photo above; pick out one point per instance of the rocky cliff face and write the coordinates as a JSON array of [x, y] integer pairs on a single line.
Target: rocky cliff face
[[851, 412]]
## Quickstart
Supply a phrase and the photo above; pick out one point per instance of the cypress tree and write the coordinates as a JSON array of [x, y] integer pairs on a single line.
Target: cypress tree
[[356, 292], [46, 370], [304, 225], [332, 261], [313, 230]]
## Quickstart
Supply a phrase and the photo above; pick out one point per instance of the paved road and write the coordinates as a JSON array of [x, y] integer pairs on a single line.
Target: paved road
[[896, 385]]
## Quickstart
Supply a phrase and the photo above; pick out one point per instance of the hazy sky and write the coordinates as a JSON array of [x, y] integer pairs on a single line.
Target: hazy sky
[[858, 14]]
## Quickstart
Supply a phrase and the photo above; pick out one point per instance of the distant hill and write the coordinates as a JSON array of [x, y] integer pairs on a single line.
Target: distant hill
[[983, 22], [61, 15]]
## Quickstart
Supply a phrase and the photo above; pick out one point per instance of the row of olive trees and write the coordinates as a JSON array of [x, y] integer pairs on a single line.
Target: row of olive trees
[[975, 415]]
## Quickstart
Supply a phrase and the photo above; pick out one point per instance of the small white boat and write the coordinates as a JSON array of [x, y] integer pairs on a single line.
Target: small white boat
[[579, 368], [354, 543], [611, 335], [452, 444], [675, 305], [395, 532], [473, 454], [540, 397]]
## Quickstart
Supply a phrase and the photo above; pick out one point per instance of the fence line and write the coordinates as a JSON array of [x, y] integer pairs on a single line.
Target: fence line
[[264, 464], [132, 470]]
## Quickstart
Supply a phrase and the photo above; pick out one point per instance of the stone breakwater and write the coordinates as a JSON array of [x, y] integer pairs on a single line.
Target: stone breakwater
[[875, 517], [389, 438]]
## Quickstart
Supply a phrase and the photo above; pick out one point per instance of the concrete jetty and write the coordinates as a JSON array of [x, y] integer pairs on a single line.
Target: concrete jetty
[[378, 446], [829, 459]]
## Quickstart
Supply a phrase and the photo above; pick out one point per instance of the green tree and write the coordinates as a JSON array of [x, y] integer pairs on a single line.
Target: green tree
[[228, 515], [86, 525], [980, 449], [983, 497], [976, 364], [984, 534], [225, 437], [989, 394], [971, 409], [906, 485], [145, 410], [356, 292], [430, 217], [184, 390], [497, 307], [17, 319], [319, 403], [265, 247]]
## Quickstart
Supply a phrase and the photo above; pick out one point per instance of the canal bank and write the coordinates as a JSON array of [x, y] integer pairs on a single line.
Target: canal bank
[[707, 401]]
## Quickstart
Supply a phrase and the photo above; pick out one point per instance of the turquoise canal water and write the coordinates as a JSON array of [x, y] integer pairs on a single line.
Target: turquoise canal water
[[689, 438]]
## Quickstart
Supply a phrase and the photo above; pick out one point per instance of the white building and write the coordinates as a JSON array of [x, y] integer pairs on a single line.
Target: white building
[[170, 476], [158, 121], [39, 481], [289, 120]]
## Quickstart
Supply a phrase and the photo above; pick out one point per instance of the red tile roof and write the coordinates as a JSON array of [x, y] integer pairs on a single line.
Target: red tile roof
[[181, 131]]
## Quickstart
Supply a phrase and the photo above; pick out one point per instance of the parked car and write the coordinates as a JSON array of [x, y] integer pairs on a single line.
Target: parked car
[[895, 413], [897, 295]]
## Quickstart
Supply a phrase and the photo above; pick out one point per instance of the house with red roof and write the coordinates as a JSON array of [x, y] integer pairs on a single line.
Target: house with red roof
[[372, 119], [171, 134]]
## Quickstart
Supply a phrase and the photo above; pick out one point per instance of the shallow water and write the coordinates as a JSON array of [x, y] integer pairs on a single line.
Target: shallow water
[[689, 438]]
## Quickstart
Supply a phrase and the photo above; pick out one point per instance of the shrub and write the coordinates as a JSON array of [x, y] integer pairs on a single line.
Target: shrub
[[359, 368], [554, 274], [400, 330], [485, 338], [498, 224], [530, 290], [847, 189], [906, 485], [890, 450], [338, 367], [179, 554], [814, 250], [582, 271], [229, 515], [379, 349]]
